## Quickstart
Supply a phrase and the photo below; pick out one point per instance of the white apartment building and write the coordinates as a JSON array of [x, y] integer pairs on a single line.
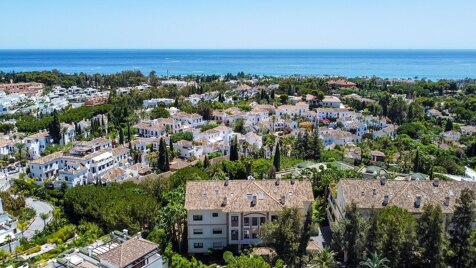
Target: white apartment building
[[157, 102], [36, 144], [231, 212], [331, 102], [193, 120]]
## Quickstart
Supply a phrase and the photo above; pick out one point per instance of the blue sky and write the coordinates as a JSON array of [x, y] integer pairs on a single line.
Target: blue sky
[[334, 24]]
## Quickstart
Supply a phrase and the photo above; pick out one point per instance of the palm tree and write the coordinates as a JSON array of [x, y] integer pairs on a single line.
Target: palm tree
[[9, 239], [324, 259], [20, 147], [44, 217], [63, 133], [375, 261]]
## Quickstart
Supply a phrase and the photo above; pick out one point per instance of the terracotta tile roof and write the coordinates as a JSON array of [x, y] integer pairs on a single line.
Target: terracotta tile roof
[[48, 158], [128, 252], [209, 195], [402, 193]]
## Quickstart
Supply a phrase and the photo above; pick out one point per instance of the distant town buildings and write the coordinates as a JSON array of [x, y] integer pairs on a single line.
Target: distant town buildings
[[30, 89]]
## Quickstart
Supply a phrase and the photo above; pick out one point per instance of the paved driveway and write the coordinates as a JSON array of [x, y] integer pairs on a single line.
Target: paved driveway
[[38, 224]]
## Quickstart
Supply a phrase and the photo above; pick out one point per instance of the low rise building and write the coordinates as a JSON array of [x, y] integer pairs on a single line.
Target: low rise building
[[119, 251], [411, 195], [231, 212]]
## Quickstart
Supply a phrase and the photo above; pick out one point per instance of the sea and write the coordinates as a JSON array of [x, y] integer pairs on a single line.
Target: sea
[[414, 64]]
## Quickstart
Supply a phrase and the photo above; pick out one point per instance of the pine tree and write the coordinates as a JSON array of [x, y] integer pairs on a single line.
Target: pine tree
[[54, 128], [463, 216], [277, 157]]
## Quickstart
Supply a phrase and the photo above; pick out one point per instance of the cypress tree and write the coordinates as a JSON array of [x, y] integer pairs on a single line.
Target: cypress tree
[[416, 161], [305, 235], [234, 150], [129, 132], [460, 241], [54, 128], [372, 234], [206, 162], [277, 157], [161, 161], [449, 125], [171, 146], [121, 136], [316, 146], [431, 235]]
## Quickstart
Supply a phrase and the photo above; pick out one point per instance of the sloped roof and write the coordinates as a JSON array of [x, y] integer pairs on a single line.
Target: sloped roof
[[209, 195], [128, 252]]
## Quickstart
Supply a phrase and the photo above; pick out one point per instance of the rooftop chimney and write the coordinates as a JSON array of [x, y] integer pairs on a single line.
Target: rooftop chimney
[[383, 181], [374, 191], [125, 232], [227, 181], [436, 182], [254, 201], [90, 251], [282, 200], [447, 201], [293, 180], [139, 235], [225, 201], [385, 200], [417, 201], [278, 181]]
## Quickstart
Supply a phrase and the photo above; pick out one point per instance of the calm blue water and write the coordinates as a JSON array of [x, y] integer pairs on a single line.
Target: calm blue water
[[431, 64]]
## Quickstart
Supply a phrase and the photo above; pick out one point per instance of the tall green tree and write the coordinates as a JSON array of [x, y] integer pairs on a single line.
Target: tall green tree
[[396, 228], [277, 157], [431, 236], [371, 241], [121, 136], [162, 161], [234, 155], [463, 216], [54, 128], [284, 234], [305, 235]]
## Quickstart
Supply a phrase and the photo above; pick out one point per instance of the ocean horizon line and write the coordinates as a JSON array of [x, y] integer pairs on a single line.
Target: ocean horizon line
[[238, 49]]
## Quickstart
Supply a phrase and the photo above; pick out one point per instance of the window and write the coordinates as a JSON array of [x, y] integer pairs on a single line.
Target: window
[[246, 234], [262, 220], [217, 245], [254, 221], [197, 217], [254, 234], [215, 214], [247, 221], [234, 234], [198, 245], [217, 231], [198, 231], [234, 221]]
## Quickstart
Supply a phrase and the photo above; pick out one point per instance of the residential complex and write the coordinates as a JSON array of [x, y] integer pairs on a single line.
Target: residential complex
[[231, 212]]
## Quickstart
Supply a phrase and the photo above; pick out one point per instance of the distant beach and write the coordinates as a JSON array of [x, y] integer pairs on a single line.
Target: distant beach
[[430, 64]]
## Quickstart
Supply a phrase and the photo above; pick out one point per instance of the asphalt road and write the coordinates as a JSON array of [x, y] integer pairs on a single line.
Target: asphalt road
[[38, 224]]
